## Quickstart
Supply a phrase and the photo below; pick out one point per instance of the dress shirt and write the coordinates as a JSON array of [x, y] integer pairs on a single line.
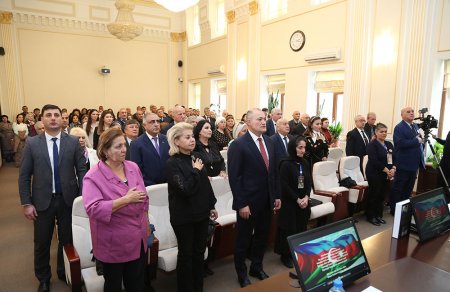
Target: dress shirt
[[363, 136], [255, 139], [129, 140], [151, 139], [50, 142], [282, 139]]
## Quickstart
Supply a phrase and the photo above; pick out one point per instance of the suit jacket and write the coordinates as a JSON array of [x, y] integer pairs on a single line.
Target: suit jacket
[[408, 151], [36, 174], [367, 130], [127, 155], [298, 130], [151, 164], [355, 145], [270, 126], [251, 183], [280, 149], [377, 161], [167, 128], [293, 125]]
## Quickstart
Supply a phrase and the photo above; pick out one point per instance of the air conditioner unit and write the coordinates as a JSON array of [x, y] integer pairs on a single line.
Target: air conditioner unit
[[216, 70], [325, 55]]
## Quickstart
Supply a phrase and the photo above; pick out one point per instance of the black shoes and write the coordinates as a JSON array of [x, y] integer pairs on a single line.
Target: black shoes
[[44, 287], [244, 281], [374, 221], [287, 262], [380, 220], [259, 274]]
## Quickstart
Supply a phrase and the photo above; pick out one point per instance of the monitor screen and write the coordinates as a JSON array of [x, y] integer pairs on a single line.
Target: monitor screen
[[323, 254], [431, 213]]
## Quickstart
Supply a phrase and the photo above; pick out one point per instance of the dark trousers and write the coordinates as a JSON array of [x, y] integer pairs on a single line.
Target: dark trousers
[[402, 187], [191, 239], [251, 235], [131, 273], [375, 197], [43, 233]]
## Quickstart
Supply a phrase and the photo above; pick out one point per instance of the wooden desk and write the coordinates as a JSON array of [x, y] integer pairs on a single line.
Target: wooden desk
[[380, 250]]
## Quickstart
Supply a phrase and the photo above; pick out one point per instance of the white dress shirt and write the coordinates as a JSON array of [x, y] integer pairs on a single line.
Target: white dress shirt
[[255, 139], [49, 140]]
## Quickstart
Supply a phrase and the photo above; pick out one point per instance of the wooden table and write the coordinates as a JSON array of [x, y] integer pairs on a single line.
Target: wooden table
[[380, 249]]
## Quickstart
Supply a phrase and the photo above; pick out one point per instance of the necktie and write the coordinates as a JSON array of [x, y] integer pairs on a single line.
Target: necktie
[[155, 139], [285, 142], [263, 153], [364, 137], [56, 166]]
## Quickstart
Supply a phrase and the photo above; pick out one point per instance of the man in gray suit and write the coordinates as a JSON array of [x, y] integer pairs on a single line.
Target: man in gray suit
[[50, 178]]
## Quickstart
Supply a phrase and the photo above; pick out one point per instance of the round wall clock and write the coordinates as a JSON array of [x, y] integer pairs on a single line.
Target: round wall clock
[[297, 41]]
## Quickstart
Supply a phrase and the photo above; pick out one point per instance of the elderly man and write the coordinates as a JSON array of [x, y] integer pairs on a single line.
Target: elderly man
[[271, 124], [357, 139], [151, 151], [207, 116], [131, 131], [370, 126], [122, 117], [301, 127], [408, 152], [179, 115], [252, 177], [39, 127], [294, 123]]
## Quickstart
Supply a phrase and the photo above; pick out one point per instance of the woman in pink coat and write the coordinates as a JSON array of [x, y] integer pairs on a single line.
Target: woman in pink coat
[[117, 205]]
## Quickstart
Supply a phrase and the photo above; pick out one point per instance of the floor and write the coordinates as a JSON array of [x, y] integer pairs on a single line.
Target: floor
[[16, 249]]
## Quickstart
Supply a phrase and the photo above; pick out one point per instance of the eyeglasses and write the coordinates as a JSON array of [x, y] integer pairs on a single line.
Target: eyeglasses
[[153, 122]]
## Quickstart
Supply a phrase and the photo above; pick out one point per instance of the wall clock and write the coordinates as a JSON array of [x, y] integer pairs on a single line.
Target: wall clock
[[297, 41]]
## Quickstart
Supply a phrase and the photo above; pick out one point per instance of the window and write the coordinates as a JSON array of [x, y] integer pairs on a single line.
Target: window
[[218, 20], [329, 86], [218, 102], [193, 26], [273, 85], [195, 95], [271, 9], [444, 123]]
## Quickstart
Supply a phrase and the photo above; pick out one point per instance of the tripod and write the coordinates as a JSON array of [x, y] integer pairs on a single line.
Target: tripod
[[427, 142]]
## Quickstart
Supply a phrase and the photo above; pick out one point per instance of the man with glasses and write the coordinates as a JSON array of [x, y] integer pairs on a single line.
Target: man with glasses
[[150, 151]]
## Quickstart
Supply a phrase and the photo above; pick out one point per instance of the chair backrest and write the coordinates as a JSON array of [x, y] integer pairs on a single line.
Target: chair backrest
[[324, 175], [364, 164], [350, 167], [81, 233], [158, 210], [93, 158], [223, 194], [224, 154], [335, 155]]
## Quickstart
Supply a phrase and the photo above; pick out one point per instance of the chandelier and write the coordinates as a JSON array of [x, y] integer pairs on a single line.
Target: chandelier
[[176, 5], [124, 28]]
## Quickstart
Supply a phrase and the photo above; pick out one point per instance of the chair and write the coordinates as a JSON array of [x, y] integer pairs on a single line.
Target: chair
[[224, 236], [78, 256], [326, 184], [93, 158], [350, 167], [335, 155], [365, 160], [160, 217]]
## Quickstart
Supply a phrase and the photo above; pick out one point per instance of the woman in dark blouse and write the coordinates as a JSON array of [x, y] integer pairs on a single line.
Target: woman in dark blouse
[[380, 168], [207, 148], [220, 136], [326, 133], [316, 146], [191, 204], [104, 123], [295, 180]]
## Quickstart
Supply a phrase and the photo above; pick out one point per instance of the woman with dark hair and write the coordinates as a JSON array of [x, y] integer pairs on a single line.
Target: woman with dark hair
[[7, 139], [326, 133], [316, 146], [229, 126], [295, 180], [207, 148], [84, 111], [116, 202], [75, 122], [104, 124], [191, 205], [90, 125], [220, 136], [21, 133], [244, 118], [75, 112], [380, 168]]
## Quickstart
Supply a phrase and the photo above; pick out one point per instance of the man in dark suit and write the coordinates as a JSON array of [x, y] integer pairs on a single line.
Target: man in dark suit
[[150, 151], [131, 131], [50, 178], [370, 125], [252, 176], [301, 127], [122, 117], [281, 140], [294, 122], [357, 140], [271, 124], [408, 152], [179, 115], [139, 116], [207, 116]]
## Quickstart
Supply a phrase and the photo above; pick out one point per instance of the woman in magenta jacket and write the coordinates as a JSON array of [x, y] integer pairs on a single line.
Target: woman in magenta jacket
[[117, 205]]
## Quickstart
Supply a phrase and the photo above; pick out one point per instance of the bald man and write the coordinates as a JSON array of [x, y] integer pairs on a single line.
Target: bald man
[[408, 152], [179, 115], [271, 124], [294, 122]]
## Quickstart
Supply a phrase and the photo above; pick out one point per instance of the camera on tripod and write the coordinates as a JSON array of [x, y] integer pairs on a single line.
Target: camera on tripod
[[427, 122]]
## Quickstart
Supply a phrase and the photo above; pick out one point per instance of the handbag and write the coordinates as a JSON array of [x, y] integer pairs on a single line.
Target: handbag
[[347, 182]]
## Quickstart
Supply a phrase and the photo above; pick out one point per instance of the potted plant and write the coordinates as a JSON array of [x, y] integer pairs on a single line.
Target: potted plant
[[335, 130], [273, 101], [439, 150]]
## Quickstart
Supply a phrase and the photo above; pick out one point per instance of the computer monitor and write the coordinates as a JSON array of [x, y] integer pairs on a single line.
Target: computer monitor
[[326, 253], [431, 213]]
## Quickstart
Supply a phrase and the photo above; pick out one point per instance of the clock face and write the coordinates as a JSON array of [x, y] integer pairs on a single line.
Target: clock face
[[297, 40]]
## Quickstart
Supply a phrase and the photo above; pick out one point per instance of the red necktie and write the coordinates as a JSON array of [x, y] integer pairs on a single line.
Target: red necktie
[[263, 153]]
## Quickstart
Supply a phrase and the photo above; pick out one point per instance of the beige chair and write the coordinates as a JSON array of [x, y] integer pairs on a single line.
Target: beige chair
[[364, 164], [350, 167], [335, 154], [326, 184]]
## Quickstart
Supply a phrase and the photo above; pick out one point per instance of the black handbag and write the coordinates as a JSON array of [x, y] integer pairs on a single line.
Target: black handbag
[[347, 182]]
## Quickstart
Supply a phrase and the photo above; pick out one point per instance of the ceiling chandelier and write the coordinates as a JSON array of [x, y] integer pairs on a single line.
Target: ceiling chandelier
[[124, 28], [176, 5]]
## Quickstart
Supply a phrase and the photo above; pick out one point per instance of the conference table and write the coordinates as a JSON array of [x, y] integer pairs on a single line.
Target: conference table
[[387, 255]]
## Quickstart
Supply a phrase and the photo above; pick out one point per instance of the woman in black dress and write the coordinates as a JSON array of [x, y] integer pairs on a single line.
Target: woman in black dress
[[207, 148], [220, 136], [316, 145], [379, 170], [295, 180], [191, 204]]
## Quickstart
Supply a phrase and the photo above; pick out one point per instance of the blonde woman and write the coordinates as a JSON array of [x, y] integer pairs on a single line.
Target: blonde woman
[[89, 153]]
